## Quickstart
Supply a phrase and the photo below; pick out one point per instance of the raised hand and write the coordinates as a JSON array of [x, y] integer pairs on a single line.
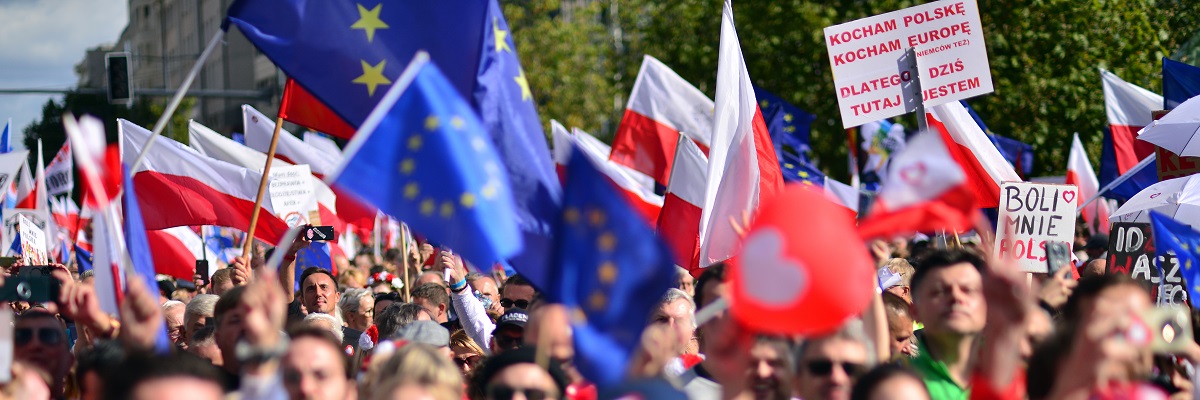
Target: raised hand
[[141, 317]]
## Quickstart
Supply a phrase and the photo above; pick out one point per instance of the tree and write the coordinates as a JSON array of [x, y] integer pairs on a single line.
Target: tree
[[1044, 56]]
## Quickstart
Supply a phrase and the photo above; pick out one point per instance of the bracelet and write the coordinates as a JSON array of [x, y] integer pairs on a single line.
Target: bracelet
[[462, 283]]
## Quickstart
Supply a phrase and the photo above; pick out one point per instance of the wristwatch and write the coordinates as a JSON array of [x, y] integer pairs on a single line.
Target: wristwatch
[[248, 354]]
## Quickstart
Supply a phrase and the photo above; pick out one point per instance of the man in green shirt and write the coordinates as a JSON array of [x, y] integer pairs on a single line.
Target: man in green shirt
[[947, 291]]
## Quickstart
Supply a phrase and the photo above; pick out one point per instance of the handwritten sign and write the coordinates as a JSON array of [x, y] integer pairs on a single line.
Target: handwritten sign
[[12, 219], [1031, 216], [1131, 253], [33, 242], [292, 198], [1171, 165], [873, 83]]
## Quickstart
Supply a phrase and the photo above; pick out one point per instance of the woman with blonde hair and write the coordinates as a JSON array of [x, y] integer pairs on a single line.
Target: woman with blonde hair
[[467, 353]]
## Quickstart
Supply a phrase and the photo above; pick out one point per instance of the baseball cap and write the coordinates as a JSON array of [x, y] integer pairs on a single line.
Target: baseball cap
[[515, 317], [427, 332]]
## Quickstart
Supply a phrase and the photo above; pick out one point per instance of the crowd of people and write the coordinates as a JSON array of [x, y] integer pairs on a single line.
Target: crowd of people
[[946, 323]]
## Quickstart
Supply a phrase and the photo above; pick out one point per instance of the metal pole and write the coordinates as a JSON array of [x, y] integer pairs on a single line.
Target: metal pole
[[911, 55]]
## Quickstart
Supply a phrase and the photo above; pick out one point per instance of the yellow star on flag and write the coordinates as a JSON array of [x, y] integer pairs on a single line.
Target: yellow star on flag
[[608, 272], [571, 215], [447, 209], [368, 20], [372, 76], [414, 142], [467, 200], [763, 104], [407, 166], [411, 191], [501, 36], [596, 218], [789, 129], [787, 117], [457, 122], [524, 84], [606, 242], [598, 301], [427, 207], [432, 122]]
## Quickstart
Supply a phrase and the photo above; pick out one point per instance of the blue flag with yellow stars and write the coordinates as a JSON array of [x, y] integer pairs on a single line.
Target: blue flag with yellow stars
[[1171, 235], [798, 170], [423, 157], [788, 125], [611, 271], [348, 53], [507, 108]]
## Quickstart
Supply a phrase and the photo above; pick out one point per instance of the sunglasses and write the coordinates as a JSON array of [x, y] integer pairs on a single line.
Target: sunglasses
[[22, 336], [504, 392], [470, 360], [508, 343], [508, 303], [825, 367]]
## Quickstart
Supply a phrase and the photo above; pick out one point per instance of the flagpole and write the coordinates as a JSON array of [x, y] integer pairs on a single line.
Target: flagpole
[[262, 188], [404, 260], [174, 104]]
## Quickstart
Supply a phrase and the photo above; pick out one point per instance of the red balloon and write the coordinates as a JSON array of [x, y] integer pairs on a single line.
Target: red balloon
[[802, 270]]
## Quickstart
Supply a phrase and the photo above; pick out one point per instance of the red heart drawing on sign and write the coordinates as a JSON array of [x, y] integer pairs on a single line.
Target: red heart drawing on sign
[[913, 174], [1155, 195], [1068, 195]]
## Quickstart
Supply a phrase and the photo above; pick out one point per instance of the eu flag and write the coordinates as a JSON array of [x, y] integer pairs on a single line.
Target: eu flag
[[347, 53], [83, 259], [423, 157], [139, 253], [1171, 235], [788, 125], [316, 254], [610, 271], [798, 170], [1180, 82]]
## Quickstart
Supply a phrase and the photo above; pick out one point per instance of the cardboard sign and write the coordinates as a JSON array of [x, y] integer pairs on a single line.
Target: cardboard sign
[[292, 199], [12, 219], [1171, 165], [33, 242], [1031, 216], [873, 82], [1131, 253]]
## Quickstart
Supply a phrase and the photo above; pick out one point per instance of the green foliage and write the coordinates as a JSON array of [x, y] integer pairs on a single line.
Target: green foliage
[[1044, 54]]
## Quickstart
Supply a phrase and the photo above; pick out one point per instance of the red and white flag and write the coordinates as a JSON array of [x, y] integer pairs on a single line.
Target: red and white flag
[[1129, 108], [979, 159], [1081, 174], [661, 107], [31, 190], [212, 144], [637, 188], [926, 191], [683, 205], [175, 251], [259, 130], [842, 194], [742, 168], [66, 216], [180, 187]]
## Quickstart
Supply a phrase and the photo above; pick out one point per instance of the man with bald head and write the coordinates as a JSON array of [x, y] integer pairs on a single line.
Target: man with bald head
[[1095, 267]]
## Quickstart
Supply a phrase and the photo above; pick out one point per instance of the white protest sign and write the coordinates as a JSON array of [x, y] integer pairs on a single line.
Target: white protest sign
[[872, 80], [59, 174], [1031, 216], [12, 219], [33, 242], [292, 197]]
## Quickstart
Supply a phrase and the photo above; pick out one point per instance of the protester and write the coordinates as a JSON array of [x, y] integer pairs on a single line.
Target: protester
[[40, 339], [324, 322], [314, 367], [351, 279], [319, 294], [488, 293], [468, 355], [828, 366], [505, 375], [358, 308], [173, 376], [677, 311], [517, 292], [174, 312], [382, 301], [510, 331], [414, 371], [900, 325], [904, 269], [890, 382], [428, 333], [198, 314], [221, 281], [91, 366], [398, 315], [432, 297], [686, 283], [204, 345], [771, 368], [948, 299]]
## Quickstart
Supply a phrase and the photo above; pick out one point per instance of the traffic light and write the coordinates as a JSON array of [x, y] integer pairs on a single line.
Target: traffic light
[[120, 85]]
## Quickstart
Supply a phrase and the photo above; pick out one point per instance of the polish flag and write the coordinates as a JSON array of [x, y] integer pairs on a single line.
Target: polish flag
[[31, 192], [1081, 174], [842, 194], [633, 184], [175, 251], [985, 168], [679, 221], [661, 107], [926, 191], [108, 263], [181, 187], [259, 130], [742, 168], [66, 216], [212, 144], [1129, 108]]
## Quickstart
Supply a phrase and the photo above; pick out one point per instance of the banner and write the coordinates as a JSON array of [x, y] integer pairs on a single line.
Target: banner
[[1032, 215], [33, 242], [12, 221], [872, 80], [292, 197], [1131, 253], [59, 174]]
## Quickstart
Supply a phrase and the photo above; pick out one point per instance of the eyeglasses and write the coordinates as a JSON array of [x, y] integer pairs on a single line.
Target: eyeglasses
[[504, 392], [825, 367], [469, 360], [22, 336], [508, 342], [508, 303]]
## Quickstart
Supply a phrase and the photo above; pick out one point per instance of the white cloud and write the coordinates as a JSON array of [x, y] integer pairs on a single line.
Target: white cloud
[[43, 40]]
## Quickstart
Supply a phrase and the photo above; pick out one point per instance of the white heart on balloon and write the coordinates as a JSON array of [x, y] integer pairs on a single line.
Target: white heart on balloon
[[768, 275]]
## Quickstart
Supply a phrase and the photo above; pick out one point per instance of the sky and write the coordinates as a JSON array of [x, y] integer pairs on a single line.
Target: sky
[[42, 42]]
